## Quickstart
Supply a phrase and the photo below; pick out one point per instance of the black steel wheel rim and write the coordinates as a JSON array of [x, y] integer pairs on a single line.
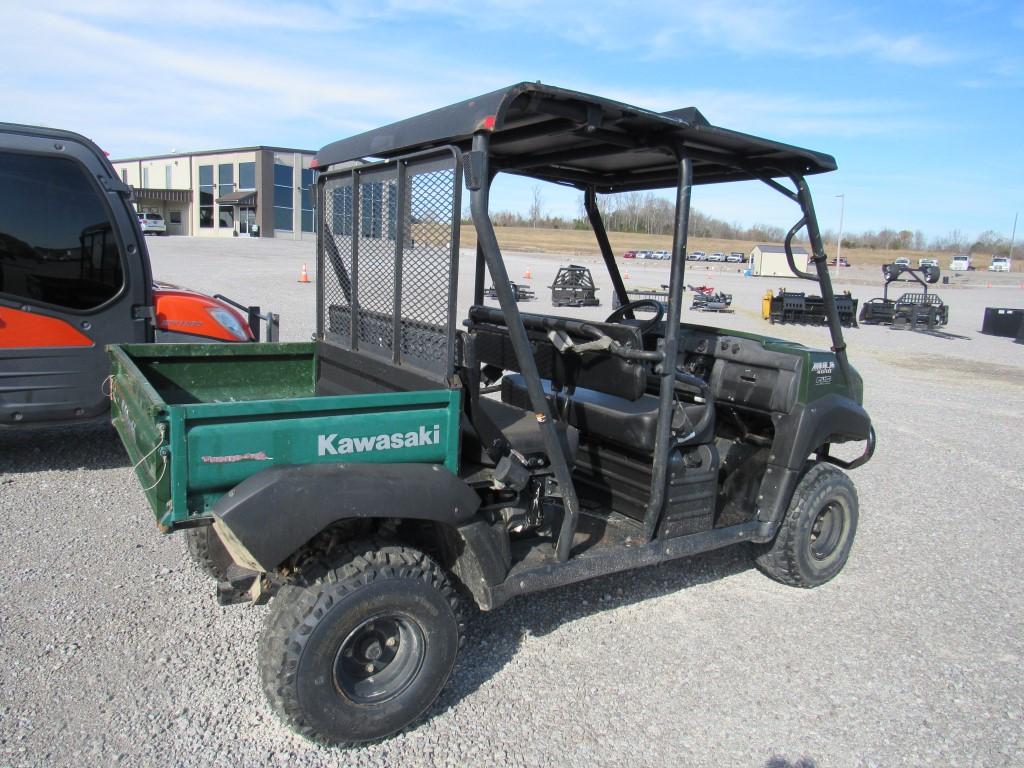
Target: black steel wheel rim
[[827, 530], [379, 659]]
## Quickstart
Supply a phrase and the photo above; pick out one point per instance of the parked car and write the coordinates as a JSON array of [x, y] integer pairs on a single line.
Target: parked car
[[643, 254], [152, 223], [717, 256], [926, 262], [736, 258], [661, 255], [629, 255], [843, 262], [698, 256], [999, 264], [902, 261]]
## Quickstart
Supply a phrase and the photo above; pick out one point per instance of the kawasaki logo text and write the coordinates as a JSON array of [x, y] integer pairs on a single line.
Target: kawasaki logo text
[[332, 445]]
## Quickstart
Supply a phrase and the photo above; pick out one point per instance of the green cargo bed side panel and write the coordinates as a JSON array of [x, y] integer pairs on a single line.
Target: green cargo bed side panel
[[222, 454], [198, 419]]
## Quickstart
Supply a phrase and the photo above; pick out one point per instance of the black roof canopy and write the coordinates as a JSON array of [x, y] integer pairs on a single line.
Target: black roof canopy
[[574, 138]]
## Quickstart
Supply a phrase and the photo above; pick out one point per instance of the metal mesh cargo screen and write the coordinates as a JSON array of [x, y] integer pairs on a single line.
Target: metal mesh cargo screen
[[388, 260]]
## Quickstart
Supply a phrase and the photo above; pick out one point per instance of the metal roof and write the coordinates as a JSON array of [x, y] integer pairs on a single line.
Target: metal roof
[[164, 195], [201, 153], [779, 248], [582, 140], [244, 197]]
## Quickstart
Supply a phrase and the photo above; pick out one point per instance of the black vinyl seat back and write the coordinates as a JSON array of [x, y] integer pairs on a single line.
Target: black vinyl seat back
[[598, 371]]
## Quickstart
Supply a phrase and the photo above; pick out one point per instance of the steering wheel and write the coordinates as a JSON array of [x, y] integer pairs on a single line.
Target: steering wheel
[[620, 314]]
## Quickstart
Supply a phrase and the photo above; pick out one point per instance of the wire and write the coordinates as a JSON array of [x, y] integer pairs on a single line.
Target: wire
[[163, 469]]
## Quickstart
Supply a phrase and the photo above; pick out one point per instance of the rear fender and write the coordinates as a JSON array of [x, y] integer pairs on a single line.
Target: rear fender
[[272, 514]]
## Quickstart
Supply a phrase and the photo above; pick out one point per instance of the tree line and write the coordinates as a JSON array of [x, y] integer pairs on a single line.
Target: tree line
[[650, 214]]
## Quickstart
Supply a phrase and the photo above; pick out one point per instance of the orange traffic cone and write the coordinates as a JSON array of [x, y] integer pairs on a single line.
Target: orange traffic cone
[[625, 275], [304, 275], [527, 275]]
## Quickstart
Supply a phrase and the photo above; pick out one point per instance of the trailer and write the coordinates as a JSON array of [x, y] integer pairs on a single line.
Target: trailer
[[919, 310], [574, 287], [804, 309], [520, 291], [640, 294]]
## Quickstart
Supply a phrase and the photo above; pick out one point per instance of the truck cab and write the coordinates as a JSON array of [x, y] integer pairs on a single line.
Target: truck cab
[[75, 276], [961, 262]]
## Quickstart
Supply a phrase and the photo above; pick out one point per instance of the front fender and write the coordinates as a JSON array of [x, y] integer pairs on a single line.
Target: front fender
[[270, 515], [831, 419]]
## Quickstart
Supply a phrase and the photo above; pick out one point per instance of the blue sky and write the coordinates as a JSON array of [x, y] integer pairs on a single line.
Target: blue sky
[[922, 103]]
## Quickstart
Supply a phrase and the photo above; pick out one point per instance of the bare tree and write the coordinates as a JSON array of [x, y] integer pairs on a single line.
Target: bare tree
[[956, 240], [537, 206]]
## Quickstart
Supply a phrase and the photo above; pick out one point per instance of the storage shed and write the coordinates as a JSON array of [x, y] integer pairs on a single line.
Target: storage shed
[[770, 260]]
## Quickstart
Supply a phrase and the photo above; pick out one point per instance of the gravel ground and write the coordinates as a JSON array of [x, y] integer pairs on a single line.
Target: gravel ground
[[115, 652]]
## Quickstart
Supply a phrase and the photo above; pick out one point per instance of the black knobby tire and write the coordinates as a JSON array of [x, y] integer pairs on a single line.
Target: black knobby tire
[[814, 541], [373, 597], [207, 551]]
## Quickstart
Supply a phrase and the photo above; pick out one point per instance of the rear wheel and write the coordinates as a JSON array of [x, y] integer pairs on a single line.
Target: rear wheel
[[814, 541], [361, 648], [208, 552]]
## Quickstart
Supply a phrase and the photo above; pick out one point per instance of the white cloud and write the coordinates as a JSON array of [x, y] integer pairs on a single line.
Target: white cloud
[[144, 88]]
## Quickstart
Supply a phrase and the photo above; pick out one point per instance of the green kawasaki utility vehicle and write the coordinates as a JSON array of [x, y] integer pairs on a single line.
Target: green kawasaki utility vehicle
[[373, 485]]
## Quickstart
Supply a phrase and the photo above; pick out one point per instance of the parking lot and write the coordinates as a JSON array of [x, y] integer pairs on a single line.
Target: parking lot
[[115, 651]]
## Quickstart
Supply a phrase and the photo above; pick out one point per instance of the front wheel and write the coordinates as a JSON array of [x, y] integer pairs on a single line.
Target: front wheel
[[361, 649], [814, 541]]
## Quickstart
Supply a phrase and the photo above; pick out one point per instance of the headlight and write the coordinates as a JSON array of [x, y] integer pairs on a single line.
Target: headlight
[[229, 322]]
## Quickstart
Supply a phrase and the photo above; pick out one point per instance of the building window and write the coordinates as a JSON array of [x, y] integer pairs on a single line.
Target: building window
[[392, 212], [225, 179], [371, 199], [308, 183], [124, 175], [225, 186], [58, 244], [206, 196], [175, 217], [342, 218], [168, 171], [247, 175], [284, 181], [145, 178]]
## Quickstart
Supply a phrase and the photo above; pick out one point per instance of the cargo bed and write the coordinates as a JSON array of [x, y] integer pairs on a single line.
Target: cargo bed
[[197, 419]]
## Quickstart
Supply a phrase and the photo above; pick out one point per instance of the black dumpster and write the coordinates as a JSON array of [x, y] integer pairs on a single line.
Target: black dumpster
[[1003, 321]]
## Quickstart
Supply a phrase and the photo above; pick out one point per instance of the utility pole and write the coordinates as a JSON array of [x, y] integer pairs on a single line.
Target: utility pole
[[1012, 236], [839, 244]]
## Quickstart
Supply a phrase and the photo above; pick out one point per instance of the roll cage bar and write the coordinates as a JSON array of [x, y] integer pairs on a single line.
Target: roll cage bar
[[601, 146]]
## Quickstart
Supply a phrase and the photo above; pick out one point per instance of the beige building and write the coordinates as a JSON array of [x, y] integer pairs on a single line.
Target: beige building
[[768, 260], [249, 192]]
